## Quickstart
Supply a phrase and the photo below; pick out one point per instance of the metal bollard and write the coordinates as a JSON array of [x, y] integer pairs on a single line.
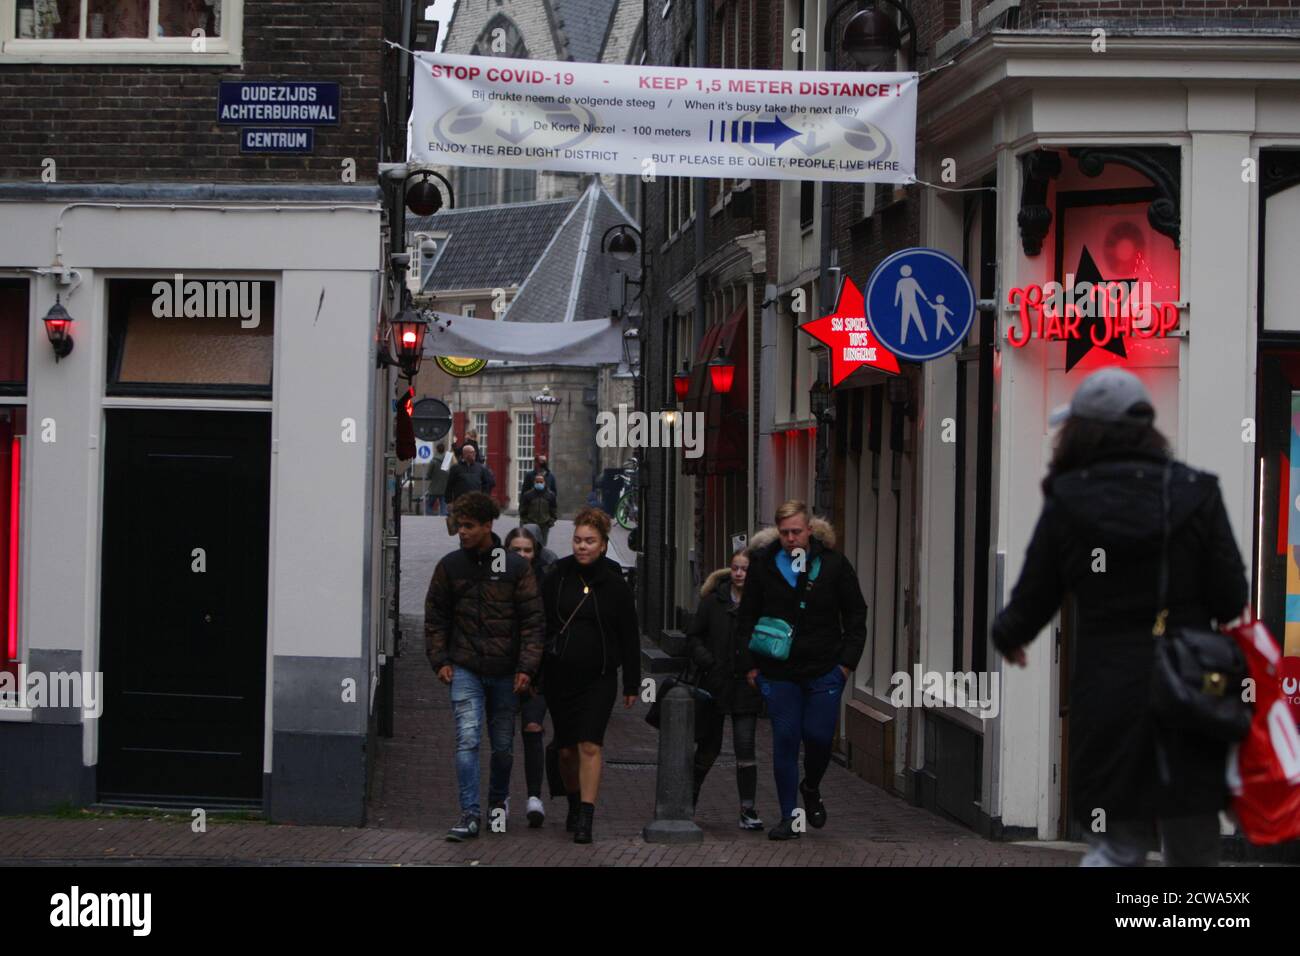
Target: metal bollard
[[674, 780]]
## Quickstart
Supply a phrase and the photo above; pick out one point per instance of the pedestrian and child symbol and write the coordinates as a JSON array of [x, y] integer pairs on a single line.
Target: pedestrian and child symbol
[[912, 295]]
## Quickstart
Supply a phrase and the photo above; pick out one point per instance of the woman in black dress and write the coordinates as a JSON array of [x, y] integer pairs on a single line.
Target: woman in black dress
[[591, 631]]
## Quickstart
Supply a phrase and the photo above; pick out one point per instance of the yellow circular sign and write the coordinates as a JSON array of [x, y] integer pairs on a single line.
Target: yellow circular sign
[[460, 367]]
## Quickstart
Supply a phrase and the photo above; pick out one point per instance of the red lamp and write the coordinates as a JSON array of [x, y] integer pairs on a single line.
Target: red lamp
[[682, 382], [408, 339], [58, 325], [722, 372]]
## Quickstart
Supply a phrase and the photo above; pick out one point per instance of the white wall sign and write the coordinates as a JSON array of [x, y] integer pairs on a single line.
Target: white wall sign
[[672, 121]]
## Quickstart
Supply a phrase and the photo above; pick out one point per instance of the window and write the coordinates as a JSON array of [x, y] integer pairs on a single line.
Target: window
[[477, 186], [14, 307], [520, 185], [524, 443], [468, 310], [192, 336], [807, 203], [481, 426], [13, 431], [122, 31]]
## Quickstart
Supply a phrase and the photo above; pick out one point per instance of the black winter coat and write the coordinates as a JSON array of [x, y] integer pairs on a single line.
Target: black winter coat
[[831, 630], [615, 607], [1115, 506], [724, 660]]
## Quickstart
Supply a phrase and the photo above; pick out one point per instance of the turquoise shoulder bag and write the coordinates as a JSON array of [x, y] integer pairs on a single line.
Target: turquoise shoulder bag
[[773, 636]]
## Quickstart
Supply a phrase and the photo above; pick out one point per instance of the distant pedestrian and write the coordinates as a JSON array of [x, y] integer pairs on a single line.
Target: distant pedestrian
[[537, 505], [484, 631], [469, 475], [725, 662], [540, 463], [532, 711], [591, 631], [437, 477], [795, 580], [1108, 488]]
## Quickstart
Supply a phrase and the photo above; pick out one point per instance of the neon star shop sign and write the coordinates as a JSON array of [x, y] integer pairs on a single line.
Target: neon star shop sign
[[1096, 312]]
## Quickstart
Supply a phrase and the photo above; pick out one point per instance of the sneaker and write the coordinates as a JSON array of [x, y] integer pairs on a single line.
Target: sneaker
[[812, 802], [504, 807], [466, 829], [783, 831], [536, 812], [749, 819]]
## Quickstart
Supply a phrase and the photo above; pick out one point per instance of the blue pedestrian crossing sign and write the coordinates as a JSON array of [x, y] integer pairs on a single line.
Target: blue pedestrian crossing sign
[[920, 304]]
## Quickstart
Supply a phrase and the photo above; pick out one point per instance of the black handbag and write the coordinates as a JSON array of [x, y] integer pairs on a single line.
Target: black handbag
[[1197, 679], [704, 703]]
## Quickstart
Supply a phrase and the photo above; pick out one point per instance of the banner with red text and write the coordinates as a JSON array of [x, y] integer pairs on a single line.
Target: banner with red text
[[664, 121]]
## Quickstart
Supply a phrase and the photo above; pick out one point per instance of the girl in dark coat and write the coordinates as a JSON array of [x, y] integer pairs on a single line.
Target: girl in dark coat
[[532, 708], [793, 564], [591, 631], [725, 663], [1100, 538]]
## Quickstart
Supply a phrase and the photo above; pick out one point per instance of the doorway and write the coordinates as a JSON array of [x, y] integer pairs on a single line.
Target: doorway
[[183, 607]]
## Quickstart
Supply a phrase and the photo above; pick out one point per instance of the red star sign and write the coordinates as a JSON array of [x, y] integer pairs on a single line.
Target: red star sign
[[846, 334]]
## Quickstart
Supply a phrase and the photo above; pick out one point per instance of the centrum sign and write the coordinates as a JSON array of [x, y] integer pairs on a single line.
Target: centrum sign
[[669, 121]]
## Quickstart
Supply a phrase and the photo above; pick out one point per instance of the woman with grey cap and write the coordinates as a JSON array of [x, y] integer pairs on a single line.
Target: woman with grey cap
[[1101, 537]]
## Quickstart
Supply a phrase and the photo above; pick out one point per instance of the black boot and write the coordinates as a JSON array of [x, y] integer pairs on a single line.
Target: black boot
[[582, 834], [571, 821]]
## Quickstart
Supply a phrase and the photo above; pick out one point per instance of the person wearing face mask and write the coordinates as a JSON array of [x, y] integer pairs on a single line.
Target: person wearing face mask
[[797, 581], [537, 506], [725, 663], [532, 709], [540, 464], [591, 631]]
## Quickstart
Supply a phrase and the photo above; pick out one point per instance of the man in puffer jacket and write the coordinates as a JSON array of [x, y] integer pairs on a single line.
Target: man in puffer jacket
[[484, 629], [799, 579]]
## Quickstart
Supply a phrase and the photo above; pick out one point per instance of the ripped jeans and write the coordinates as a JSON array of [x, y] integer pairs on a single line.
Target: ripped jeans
[[474, 697], [743, 730]]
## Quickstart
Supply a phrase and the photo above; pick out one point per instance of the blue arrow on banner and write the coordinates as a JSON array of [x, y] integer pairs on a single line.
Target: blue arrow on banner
[[775, 132]]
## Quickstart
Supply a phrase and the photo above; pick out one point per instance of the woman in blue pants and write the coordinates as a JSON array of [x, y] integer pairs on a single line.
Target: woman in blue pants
[[797, 577]]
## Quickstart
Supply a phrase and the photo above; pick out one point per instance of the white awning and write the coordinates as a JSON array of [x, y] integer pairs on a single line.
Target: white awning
[[589, 342]]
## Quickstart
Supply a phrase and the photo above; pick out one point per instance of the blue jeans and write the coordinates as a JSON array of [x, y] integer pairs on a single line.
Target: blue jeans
[[472, 695], [804, 711]]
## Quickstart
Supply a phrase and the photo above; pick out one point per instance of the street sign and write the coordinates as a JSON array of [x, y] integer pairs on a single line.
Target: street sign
[[845, 334], [431, 419], [460, 367], [289, 140], [920, 304], [278, 102], [424, 452]]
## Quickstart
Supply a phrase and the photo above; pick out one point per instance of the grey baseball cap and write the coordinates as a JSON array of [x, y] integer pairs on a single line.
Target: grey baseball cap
[[1109, 395]]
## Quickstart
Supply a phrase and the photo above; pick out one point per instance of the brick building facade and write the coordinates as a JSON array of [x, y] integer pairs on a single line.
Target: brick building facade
[[208, 531]]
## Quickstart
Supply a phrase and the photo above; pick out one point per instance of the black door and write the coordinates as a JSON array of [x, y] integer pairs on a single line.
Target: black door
[[183, 605]]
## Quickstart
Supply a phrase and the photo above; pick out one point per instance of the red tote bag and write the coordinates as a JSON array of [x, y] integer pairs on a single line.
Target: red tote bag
[[1264, 769]]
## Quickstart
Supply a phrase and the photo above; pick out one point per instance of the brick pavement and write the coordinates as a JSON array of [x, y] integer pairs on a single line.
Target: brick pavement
[[414, 800]]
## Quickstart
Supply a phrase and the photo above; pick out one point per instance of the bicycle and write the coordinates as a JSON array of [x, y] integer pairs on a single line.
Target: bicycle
[[627, 512]]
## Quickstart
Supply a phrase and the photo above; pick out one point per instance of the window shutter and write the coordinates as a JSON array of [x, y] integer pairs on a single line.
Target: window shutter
[[458, 428], [498, 454]]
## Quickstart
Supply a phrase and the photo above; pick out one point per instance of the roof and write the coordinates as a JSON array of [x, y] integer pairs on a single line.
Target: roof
[[476, 255], [585, 24], [549, 249]]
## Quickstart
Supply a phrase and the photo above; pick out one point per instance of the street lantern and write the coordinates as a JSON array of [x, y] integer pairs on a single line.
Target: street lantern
[[871, 38], [423, 197], [668, 414], [544, 406], [58, 326], [819, 397], [407, 331], [722, 372], [682, 382]]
